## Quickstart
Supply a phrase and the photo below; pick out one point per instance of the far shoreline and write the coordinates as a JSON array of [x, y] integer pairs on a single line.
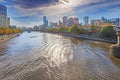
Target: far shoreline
[[87, 37]]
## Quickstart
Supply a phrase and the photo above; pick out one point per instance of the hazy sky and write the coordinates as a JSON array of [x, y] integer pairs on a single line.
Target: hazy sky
[[30, 12]]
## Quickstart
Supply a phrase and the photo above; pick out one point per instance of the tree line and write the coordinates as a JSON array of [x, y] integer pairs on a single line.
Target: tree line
[[103, 32], [6, 30]]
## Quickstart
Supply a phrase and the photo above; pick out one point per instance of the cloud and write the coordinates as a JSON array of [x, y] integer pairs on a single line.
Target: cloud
[[34, 10], [1, 0], [49, 7]]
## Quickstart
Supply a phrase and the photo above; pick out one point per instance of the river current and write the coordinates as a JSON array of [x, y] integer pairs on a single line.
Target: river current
[[44, 56]]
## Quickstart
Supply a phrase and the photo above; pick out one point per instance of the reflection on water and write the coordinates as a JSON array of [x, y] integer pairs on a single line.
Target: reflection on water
[[43, 56]]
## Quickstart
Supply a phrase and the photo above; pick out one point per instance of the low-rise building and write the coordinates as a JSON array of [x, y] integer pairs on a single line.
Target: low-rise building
[[96, 23]]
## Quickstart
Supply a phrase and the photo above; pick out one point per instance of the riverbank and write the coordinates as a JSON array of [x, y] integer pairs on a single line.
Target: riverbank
[[87, 37], [7, 37]]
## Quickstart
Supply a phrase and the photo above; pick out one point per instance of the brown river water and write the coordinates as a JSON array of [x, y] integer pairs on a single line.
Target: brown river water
[[44, 56]]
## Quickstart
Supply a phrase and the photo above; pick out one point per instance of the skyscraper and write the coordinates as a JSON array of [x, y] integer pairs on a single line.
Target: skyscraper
[[70, 22], [4, 21], [64, 20], [103, 19], [86, 20], [45, 21]]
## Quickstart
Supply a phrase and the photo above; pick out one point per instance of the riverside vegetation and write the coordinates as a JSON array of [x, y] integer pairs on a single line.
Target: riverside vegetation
[[8, 33], [106, 32], [6, 30]]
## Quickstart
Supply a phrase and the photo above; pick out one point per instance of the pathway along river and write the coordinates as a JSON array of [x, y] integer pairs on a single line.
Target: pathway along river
[[44, 56]]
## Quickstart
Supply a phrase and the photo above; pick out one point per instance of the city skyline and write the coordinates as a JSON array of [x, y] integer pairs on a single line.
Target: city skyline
[[25, 13]]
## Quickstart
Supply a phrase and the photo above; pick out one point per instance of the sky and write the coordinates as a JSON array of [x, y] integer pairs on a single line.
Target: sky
[[30, 12]]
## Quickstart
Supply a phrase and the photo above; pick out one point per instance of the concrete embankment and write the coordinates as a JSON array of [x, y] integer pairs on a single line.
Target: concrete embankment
[[87, 37], [7, 37], [90, 38]]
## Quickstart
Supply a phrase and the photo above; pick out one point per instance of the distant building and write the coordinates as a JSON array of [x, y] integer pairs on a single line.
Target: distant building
[[96, 23], [103, 19], [56, 24], [4, 21], [106, 24], [51, 24], [65, 20], [60, 23], [76, 21], [8, 22], [36, 28], [45, 21], [12, 26], [115, 21], [86, 20], [70, 22]]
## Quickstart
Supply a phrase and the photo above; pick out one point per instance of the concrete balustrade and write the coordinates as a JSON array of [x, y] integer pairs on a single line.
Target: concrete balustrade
[[116, 48]]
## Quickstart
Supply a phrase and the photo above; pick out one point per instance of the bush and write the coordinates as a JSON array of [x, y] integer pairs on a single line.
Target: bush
[[74, 29], [107, 32]]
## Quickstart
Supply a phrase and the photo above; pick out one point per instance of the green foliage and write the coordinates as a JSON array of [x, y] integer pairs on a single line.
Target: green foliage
[[74, 29], [6, 30], [107, 32], [63, 29], [93, 28], [83, 31]]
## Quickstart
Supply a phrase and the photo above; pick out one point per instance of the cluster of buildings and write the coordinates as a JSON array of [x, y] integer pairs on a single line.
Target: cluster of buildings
[[102, 22], [99, 23], [65, 22], [4, 20], [68, 22]]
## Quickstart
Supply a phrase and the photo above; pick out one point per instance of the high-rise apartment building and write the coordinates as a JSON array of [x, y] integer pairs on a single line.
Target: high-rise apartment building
[[86, 20], [4, 20]]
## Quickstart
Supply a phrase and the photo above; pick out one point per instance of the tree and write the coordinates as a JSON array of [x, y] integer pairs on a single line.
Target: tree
[[93, 28], [63, 29], [107, 32], [6, 30], [83, 31], [74, 29]]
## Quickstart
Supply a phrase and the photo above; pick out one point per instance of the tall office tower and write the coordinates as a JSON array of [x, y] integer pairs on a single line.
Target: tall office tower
[[45, 21], [86, 20], [64, 20]]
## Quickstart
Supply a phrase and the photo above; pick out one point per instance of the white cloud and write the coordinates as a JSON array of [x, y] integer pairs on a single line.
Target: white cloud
[[17, 23], [62, 7], [1, 0]]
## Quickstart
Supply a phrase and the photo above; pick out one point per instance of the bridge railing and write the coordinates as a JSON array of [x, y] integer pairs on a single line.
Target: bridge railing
[[118, 29]]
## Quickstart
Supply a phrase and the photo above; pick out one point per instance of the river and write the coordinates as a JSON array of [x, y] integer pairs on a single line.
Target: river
[[44, 56]]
